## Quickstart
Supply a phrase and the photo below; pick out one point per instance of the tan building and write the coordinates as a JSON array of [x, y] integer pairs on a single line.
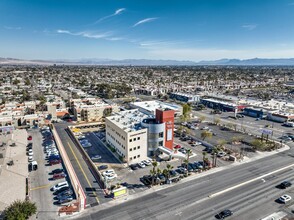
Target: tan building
[[125, 134]]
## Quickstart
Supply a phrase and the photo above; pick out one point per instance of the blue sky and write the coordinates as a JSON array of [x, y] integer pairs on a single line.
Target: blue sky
[[151, 29]]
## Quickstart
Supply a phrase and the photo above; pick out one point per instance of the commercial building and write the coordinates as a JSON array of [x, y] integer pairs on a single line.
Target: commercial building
[[135, 135], [149, 107], [221, 105], [126, 135], [91, 110], [280, 117], [183, 97]]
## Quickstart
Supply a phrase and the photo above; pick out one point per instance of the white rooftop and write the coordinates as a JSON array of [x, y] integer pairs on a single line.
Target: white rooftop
[[129, 120], [151, 106]]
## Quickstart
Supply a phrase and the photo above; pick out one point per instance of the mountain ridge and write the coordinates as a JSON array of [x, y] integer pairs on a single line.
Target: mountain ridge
[[152, 62]]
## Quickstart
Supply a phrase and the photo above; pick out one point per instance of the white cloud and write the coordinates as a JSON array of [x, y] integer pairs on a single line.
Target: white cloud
[[12, 28], [86, 34], [144, 21], [117, 12], [249, 27]]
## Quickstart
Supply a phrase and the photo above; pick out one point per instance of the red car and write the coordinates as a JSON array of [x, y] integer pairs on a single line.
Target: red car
[[58, 176], [52, 162], [178, 146], [30, 138]]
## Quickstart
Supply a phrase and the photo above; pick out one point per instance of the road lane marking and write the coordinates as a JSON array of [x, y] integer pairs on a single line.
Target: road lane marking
[[40, 187], [84, 174], [249, 181]]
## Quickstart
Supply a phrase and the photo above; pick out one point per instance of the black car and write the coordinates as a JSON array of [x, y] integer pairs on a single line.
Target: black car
[[224, 214], [134, 166], [68, 192], [56, 171], [61, 190], [285, 184], [102, 167]]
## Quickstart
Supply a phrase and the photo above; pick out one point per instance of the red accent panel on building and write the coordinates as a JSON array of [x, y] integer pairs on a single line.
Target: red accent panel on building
[[168, 117]]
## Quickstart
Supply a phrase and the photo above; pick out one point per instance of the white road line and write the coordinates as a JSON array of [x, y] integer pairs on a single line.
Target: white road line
[[250, 181]]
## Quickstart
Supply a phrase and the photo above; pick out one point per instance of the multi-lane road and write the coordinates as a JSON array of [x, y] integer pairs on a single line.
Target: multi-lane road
[[248, 190]]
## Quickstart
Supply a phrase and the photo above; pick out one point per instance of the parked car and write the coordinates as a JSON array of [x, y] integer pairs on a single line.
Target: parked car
[[198, 165], [56, 171], [96, 158], [134, 166], [65, 199], [58, 176], [68, 192], [178, 146], [285, 198], [103, 167], [110, 176], [62, 189], [30, 158], [285, 184], [30, 138], [53, 162], [141, 165], [59, 186], [108, 172], [221, 154], [30, 152], [225, 213], [147, 162]]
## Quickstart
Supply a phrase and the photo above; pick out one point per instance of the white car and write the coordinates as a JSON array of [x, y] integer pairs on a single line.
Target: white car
[[30, 153], [141, 165], [285, 198], [111, 177], [147, 162], [221, 154], [30, 158], [96, 158], [108, 172], [59, 186]]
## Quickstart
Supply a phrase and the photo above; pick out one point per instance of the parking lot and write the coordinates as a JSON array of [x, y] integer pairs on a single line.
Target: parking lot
[[41, 179]]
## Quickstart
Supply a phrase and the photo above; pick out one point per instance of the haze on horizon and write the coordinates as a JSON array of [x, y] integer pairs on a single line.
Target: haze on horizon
[[180, 30]]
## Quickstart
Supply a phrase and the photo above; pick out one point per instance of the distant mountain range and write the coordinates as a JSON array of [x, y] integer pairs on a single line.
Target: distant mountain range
[[146, 62]]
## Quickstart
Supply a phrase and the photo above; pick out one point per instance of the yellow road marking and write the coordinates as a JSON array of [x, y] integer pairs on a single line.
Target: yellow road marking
[[40, 187], [96, 196]]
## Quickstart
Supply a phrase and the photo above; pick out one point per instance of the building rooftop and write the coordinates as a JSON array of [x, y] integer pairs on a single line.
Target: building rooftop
[[151, 106], [129, 120]]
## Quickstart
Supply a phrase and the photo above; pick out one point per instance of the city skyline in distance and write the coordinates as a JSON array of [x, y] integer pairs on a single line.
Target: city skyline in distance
[[189, 30]]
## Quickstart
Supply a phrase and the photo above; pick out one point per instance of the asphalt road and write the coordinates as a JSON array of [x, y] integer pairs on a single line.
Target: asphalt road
[[190, 200], [89, 184]]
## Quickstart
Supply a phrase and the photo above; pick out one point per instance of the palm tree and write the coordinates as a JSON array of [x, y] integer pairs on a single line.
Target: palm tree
[[214, 153], [204, 158], [189, 153], [169, 168], [153, 171], [165, 172]]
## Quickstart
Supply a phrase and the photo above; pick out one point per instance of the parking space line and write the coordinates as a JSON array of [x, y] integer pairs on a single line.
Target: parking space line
[[84, 174], [40, 187]]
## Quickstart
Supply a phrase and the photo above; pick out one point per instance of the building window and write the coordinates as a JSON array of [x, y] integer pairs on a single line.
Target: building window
[[131, 158], [135, 139], [138, 138], [131, 149], [161, 134], [135, 148], [131, 140], [160, 143], [135, 157], [138, 156], [138, 147]]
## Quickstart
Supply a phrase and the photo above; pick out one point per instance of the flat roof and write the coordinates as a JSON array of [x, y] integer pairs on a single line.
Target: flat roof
[[129, 120], [151, 106]]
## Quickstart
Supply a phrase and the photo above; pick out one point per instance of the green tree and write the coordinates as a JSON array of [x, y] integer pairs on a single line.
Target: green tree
[[221, 143], [186, 110], [206, 134], [20, 210]]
